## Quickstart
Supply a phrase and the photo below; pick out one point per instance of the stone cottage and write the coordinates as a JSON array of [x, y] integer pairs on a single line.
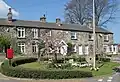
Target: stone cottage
[[28, 34]]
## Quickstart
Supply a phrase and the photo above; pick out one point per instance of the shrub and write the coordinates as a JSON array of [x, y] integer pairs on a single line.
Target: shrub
[[109, 55], [105, 59], [60, 61], [69, 48], [59, 65], [80, 59], [39, 74], [117, 69], [19, 61]]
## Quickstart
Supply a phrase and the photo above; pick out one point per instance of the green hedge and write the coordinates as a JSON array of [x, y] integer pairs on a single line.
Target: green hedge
[[21, 60], [105, 59], [39, 74]]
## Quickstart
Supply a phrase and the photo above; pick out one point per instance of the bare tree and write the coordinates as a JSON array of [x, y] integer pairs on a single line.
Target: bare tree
[[80, 11]]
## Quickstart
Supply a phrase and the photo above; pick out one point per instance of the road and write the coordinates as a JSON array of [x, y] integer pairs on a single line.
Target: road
[[114, 78]]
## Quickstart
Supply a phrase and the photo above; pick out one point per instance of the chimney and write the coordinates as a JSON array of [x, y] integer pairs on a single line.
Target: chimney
[[43, 19], [89, 24], [58, 21], [9, 15]]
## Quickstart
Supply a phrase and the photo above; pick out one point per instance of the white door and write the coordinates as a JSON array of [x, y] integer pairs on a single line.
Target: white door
[[63, 50], [80, 50]]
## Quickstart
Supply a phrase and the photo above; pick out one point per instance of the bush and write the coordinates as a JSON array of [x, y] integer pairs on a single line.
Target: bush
[[117, 69], [19, 61], [60, 61], [80, 59], [21, 72], [70, 48], [59, 65], [105, 59]]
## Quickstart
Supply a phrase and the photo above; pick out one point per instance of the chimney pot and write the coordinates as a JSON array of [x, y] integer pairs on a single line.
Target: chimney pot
[[89, 24], [58, 21], [43, 19], [9, 9]]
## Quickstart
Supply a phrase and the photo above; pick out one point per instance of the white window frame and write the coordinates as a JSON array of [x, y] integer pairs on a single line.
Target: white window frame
[[106, 48], [110, 49], [35, 33], [22, 32], [106, 37], [75, 48], [21, 45], [73, 35], [34, 48], [91, 34], [86, 50], [50, 33]]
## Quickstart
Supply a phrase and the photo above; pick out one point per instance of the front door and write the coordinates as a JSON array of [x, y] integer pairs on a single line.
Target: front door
[[80, 50], [63, 50]]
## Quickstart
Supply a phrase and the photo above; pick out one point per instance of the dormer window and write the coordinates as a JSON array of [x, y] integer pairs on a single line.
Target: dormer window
[[91, 36], [73, 35], [106, 37]]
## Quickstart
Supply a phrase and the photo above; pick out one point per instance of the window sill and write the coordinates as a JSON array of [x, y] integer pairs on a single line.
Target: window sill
[[21, 37], [74, 39], [90, 40], [106, 40], [35, 38]]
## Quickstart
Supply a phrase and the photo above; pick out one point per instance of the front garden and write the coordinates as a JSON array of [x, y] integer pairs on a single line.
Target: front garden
[[50, 69], [17, 71]]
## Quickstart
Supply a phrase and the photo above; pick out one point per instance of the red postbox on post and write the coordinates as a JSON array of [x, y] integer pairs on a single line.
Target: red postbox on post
[[9, 53]]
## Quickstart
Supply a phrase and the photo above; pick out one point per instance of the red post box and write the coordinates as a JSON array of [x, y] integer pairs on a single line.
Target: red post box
[[9, 53]]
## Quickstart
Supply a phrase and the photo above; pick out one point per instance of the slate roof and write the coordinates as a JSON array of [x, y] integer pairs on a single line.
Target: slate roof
[[38, 24]]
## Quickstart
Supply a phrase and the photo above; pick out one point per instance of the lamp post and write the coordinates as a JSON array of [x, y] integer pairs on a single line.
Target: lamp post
[[94, 40]]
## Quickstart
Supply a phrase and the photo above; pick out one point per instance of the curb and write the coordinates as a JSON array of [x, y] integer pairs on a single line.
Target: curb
[[15, 78]]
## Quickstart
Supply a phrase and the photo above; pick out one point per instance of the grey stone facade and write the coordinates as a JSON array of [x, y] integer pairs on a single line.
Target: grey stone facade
[[82, 40]]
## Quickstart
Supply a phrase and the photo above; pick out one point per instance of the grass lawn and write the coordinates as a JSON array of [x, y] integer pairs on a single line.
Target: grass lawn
[[106, 69]]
